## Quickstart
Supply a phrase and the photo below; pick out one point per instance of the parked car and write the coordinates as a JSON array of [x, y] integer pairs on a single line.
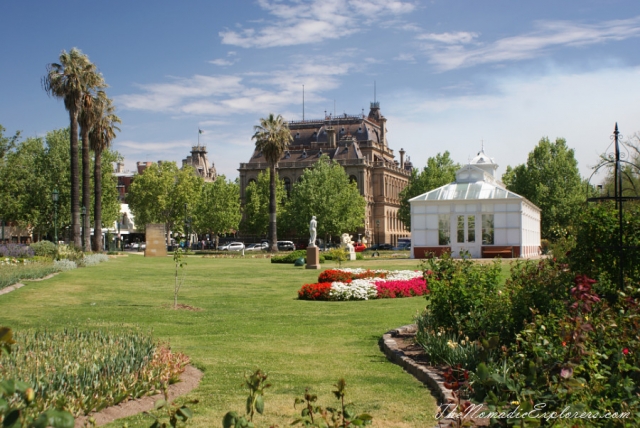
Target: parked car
[[403, 246], [232, 246], [359, 247], [286, 246], [257, 247], [379, 247]]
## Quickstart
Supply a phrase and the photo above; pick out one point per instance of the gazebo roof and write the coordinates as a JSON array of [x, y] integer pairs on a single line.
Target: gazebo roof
[[467, 191]]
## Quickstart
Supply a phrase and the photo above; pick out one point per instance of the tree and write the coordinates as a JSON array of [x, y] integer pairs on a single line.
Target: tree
[[440, 170], [102, 133], [551, 180], [630, 167], [87, 117], [218, 208], [272, 139], [326, 192], [256, 204], [160, 193], [73, 77]]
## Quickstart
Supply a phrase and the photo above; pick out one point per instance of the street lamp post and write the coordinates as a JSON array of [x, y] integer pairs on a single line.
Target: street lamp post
[[84, 214], [54, 196], [186, 227]]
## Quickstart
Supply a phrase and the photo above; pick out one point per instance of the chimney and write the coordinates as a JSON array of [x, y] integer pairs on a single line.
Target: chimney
[[142, 166], [119, 167], [331, 137], [383, 130], [402, 152]]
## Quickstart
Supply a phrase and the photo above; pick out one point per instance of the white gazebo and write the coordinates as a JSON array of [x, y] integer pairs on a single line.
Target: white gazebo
[[476, 214]]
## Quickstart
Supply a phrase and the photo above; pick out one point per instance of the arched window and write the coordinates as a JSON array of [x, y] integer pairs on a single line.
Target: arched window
[[252, 180], [353, 179]]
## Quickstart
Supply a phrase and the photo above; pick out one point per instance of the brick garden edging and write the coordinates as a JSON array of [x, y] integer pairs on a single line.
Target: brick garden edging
[[427, 375]]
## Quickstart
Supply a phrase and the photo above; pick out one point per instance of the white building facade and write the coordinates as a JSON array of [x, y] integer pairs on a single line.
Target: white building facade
[[475, 214]]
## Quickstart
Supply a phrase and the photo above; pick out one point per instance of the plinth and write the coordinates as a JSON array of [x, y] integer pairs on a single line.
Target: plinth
[[313, 258]]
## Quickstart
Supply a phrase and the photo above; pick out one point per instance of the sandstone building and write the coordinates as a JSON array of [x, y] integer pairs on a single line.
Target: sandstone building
[[358, 143]]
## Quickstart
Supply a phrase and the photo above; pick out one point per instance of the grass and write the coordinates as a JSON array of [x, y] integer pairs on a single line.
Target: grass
[[250, 318]]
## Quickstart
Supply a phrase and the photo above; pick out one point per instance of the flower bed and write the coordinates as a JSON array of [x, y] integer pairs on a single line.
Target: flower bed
[[361, 284]]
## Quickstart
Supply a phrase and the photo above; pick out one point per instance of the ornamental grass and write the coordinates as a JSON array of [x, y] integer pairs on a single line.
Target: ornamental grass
[[88, 371]]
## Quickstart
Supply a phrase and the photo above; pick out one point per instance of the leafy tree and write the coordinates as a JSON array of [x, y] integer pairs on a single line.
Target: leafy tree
[[7, 143], [160, 193], [102, 133], [630, 170], [32, 170], [551, 180], [256, 204], [440, 170], [326, 192], [218, 208], [272, 139], [73, 77]]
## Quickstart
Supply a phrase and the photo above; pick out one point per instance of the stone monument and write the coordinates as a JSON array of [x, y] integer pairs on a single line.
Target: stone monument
[[156, 244], [313, 254], [347, 244]]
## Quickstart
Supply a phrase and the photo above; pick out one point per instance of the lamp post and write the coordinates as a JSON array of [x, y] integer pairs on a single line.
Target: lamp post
[[378, 232], [84, 214], [54, 197], [186, 226]]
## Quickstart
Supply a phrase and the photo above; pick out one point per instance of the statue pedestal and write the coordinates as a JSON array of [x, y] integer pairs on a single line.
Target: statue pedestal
[[313, 258]]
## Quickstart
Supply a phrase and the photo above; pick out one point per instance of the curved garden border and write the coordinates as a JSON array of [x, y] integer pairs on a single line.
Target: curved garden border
[[189, 380]]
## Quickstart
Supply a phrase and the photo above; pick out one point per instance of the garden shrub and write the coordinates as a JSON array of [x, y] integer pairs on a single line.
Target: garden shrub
[[64, 265], [458, 293], [536, 287], [596, 237], [18, 251], [94, 259], [89, 371], [44, 249], [70, 252], [10, 275], [290, 257]]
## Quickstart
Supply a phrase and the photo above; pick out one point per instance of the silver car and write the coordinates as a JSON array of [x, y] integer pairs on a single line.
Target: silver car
[[232, 246]]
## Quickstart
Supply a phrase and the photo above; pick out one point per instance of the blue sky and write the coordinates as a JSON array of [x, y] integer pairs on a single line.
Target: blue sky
[[449, 74]]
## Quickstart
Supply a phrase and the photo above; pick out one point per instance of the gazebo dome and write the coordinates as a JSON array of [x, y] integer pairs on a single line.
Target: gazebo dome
[[485, 163]]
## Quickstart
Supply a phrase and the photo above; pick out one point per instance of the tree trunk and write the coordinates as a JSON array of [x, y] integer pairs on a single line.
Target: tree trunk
[[86, 189], [273, 232], [75, 179], [97, 207]]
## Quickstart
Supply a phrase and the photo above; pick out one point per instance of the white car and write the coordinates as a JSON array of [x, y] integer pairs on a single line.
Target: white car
[[257, 247], [232, 246]]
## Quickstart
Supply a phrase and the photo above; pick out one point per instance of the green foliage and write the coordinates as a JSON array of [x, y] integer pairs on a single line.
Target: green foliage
[[290, 257], [551, 180], [180, 273], [440, 170], [444, 347], [217, 210], [324, 191], [45, 249], [338, 254], [596, 247], [87, 371], [463, 295], [31, 169], [10, 275], [160, 193], [173, 413], [70, 252], [256, 383], [256, 204]]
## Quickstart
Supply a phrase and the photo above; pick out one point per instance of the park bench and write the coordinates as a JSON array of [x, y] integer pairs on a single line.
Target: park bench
[[492, 252]]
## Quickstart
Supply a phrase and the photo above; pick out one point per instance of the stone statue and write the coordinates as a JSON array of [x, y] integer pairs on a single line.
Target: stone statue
[[312, 232]]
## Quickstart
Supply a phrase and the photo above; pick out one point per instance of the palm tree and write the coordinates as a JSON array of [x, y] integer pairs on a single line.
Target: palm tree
[[272, 140], [101, 135], [86, 119], [74, 76]]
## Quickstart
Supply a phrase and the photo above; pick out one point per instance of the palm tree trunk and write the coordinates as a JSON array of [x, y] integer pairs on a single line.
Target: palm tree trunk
[[75, 183], [86, 187], [97, 207], [273, 230]]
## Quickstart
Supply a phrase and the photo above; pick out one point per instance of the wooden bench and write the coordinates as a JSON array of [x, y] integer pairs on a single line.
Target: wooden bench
[[492, 252]]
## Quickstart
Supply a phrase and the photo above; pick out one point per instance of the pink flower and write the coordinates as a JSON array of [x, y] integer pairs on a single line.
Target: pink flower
[[625, 351]]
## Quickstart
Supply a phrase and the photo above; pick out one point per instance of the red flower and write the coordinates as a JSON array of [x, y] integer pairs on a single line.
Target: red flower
[[315, 291], [625, 351]]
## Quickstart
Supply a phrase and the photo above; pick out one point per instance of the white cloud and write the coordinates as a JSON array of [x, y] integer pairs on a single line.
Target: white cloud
[[462, 37], [312, 21], [520, 111], [548, 35], [222, 62], [256, 92]]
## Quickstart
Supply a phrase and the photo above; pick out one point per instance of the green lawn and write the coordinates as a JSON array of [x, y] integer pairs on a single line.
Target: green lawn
[[250, 318]]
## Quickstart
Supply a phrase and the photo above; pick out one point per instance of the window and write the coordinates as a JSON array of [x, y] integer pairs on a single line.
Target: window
[[460, 229], [444, 229], [487, 229], [471, 228], [353, 179]]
